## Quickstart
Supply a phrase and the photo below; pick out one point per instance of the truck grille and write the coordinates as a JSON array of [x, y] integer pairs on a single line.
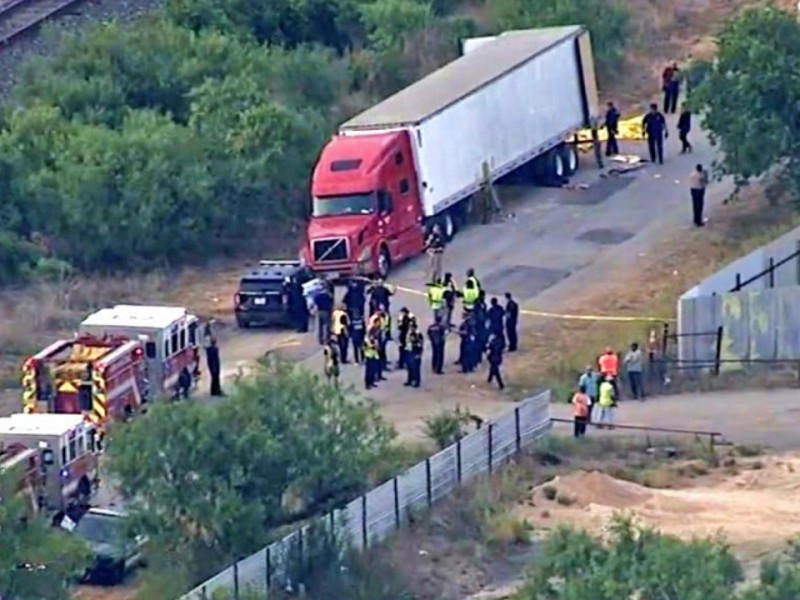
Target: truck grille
[[330, 250]]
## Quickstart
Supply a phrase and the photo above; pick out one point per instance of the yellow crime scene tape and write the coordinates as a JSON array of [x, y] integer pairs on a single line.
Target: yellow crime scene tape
[[566, 316], [629, 129]]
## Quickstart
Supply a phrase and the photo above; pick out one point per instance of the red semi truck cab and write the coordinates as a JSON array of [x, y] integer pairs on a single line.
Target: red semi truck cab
[[417, 158], [366, 210]]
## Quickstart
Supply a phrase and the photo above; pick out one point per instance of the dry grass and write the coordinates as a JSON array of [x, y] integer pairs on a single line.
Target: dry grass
[[651, 287]]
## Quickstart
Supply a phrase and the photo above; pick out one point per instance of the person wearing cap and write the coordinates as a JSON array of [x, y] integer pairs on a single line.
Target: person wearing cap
[[414, 357], [436, 298], [437, 334], [589, 381]]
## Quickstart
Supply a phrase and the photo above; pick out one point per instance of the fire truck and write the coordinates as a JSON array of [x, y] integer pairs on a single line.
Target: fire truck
[[51, 459], [120, 359]]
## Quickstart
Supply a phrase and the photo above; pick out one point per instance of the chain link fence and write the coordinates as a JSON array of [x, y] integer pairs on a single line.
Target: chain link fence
[[374, 516]]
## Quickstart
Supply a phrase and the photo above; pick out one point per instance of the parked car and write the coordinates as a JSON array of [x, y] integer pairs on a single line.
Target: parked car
[[115, 548]]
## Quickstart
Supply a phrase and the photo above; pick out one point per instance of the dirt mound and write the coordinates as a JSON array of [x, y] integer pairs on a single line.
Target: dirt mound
[[756, 510], [588, 488]]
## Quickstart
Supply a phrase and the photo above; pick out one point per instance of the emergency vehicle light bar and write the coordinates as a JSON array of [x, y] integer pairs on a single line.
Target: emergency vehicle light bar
[[280, 263]]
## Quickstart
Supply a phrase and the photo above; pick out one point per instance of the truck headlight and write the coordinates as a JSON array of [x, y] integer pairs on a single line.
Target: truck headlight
[[365, 255]]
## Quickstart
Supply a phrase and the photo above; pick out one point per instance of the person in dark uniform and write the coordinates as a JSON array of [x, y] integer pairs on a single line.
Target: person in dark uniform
[[684, 127], [512, 319], [379, 295], [496, 316], [437, 334], [357, 333], [468, 359], [450, 295], [654, 126], [184, 383], [494, 355], [416, 345], [298, 307], [671, 86], [355, 298], [403, 327], [612, 129], [214, 368], [481, 330], [324, 302]]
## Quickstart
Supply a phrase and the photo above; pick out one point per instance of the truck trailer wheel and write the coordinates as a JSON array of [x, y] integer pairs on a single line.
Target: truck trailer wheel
[[556, 167], [569, 154], [384, 263]]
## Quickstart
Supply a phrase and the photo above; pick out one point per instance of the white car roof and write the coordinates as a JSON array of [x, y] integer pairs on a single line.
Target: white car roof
[[136, 316], [40, 424]]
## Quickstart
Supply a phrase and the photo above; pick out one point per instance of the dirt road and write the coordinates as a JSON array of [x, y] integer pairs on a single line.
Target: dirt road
[[553, 243], [764, 417]]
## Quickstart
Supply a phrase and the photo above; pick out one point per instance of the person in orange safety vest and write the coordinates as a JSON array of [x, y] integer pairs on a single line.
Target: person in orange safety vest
[[580, 407], [608, 365]]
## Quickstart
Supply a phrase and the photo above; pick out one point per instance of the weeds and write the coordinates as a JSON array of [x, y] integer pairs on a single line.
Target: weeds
[[550, 492], [447, 426]]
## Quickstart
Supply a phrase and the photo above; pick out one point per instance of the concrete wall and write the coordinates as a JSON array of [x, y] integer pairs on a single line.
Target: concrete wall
[[762, 324], [752, 264]]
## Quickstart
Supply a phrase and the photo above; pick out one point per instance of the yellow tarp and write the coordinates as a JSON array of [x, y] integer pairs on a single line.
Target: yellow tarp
[[629, 129]]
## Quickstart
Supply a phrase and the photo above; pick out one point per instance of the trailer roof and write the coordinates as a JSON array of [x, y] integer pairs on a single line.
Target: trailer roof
[[45, 424], [460, 78], [135, 316]]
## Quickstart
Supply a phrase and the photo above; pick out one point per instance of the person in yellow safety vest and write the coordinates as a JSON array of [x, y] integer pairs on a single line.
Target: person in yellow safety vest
[[370, 362], [340, 328], [607, 401], [436, 298], [471, 277], [469, 296]]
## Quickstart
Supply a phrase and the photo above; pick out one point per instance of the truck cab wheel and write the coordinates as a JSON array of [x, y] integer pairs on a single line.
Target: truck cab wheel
[[384, 263]]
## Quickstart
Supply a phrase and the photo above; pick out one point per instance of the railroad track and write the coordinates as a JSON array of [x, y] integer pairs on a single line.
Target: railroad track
[[18, 16]]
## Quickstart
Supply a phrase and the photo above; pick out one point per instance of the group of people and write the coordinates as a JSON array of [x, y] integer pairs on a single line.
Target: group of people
[[654, 129], [598, 389], [361, 326]]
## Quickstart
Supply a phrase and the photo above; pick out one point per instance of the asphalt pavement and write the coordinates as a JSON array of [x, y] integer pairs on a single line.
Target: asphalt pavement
[[550, 243]]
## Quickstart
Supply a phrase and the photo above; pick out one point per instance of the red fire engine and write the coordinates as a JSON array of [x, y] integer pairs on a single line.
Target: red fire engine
[[121, 358], [100, 377]]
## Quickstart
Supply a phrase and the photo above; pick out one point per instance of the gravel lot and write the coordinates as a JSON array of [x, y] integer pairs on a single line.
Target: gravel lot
[[40, 42]]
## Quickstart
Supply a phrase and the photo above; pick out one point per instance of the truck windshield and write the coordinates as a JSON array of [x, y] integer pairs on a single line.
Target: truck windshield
[[353, 204]]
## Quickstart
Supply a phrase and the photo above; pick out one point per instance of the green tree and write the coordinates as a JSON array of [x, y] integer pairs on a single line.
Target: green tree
[[333, 23], [212, 480], [36, 561], [642, 563], [607, 20], [748, 96]]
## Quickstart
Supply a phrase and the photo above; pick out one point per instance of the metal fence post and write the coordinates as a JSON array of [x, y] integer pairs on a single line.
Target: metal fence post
[[458, 460], [396, 503], [268, 566], [489, 444], [300, 548], [428, 489], [203, 593], [236, 580], [364, 532], [718, 351], [738, 283], [517, 430], [771, 272]]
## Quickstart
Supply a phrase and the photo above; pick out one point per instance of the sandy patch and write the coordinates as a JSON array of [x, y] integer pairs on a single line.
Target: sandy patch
[[756, 511]]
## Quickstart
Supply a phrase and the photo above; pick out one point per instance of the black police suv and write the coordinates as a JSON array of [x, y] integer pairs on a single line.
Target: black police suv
[[270, 293]]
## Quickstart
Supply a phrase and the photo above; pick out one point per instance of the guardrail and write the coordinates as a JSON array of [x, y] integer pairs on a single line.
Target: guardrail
[[377, 514], [715, 438]]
